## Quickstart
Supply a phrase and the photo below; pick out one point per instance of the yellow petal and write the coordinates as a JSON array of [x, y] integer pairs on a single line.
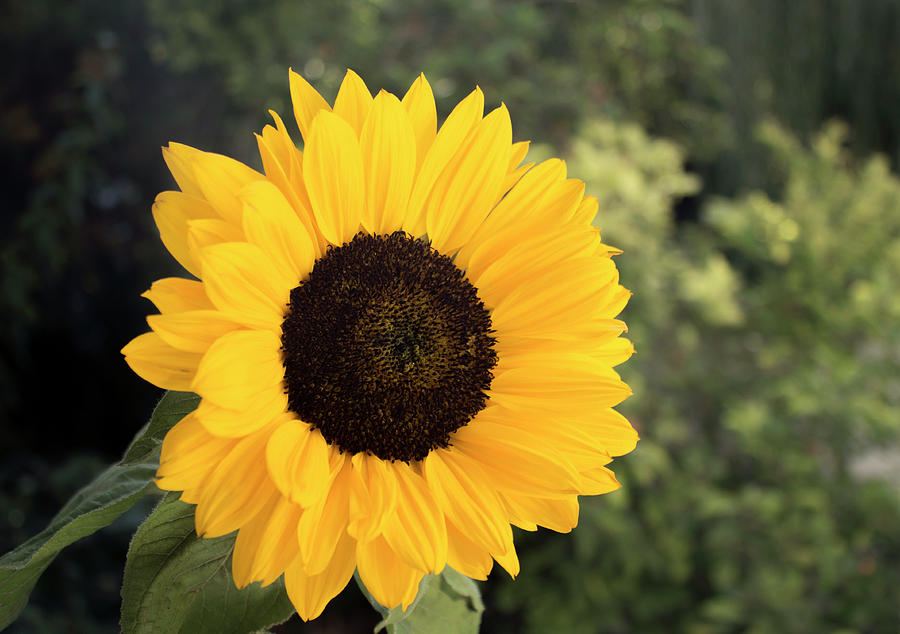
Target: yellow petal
[[498, 267], [189, 455], [373, 496], [158, 363], [172, 211], [297, 457], [311, 593], [307, 103], [574, 291], [242, 371], [586, 441], [272, 224], [221, 178], [282, 162], [419, 103], [208, 231], [458, 485], [228, 423], [465, 556], [448, 140], [516, 461], [589, 335], [519, 204], [353, 101], [587, 211], [177, 157], [193, 330], [469, 188], [509, 560], [334, 177], [323, 523], [267, 544], [391, 580], [416, 532], [175, 295], [242, 282], [388, 146], [237, 490], [556, 389], [614, 303], [598, 481], [560, 515]]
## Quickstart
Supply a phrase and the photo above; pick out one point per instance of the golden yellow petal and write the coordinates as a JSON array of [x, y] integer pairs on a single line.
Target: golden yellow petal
[[237, 489], [229, 423], [416, 531], [468, 189], [508, 560], [587, 211], [272, 224], [334, 177], [560, 515], [243, 283], [192, 330], [464, 556], [458, 485], [516, 460], [242, 371], [561, 390], [500, 265], [614, 303], [521, 203], [158, 363], [448, 140], [297, 457], [172, 211], [586, 337], [353, 101], [177, 157], [373, 496], [389, 578], [311, 593], [307, 103], [209, 231], [221, 178], [189, 455], [267, 544], [419, 103], [323, 523], [571, 293], [282, 162], [388, 146], [175, 295]]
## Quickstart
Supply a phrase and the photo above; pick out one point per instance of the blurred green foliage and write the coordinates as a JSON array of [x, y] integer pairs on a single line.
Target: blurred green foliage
[[768, 357], [761, 246]]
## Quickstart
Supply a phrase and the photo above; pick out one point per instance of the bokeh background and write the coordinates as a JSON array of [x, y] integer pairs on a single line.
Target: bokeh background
[[745, 156]]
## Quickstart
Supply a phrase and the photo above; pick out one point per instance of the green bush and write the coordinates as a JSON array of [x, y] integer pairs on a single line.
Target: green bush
[[766, 363]]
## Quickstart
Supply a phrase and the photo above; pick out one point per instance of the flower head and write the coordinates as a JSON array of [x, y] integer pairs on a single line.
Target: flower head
[[403, 341]]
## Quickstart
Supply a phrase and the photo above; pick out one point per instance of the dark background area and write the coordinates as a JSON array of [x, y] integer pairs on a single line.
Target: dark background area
[[762, 243]]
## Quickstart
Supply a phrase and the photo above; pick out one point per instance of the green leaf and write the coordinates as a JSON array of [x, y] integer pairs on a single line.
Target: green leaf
[[146, 444], [97, 505], [448, 603], [178, 582]]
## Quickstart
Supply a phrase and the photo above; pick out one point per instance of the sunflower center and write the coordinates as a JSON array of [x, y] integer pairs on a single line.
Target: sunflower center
[[387, 348]]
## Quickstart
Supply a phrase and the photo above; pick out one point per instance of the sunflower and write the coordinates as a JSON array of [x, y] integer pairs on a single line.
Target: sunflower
[[403, 341]]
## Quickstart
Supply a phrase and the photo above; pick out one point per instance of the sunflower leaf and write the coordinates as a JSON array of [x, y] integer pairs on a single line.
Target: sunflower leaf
[[178, 582], [147, 442], [95, 506], [448, 603]]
